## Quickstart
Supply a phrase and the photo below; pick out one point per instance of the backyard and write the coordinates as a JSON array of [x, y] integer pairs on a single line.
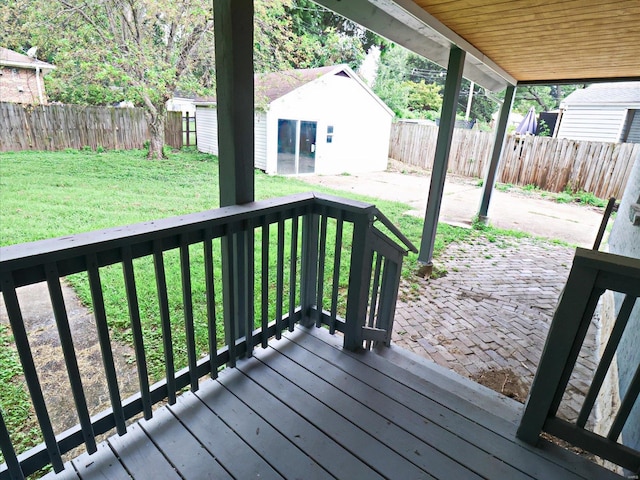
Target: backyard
[[52, 194]]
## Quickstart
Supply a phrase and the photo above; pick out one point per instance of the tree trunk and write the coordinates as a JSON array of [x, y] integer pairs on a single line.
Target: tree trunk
[[156, 130]]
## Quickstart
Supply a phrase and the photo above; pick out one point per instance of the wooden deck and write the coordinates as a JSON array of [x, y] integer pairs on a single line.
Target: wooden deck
[[304, 409]]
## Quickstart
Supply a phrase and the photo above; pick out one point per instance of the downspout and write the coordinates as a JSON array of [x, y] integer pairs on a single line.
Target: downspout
[[38, 85]]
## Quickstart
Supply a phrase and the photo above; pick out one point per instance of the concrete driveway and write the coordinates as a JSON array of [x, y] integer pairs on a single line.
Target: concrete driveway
[[513, 209]]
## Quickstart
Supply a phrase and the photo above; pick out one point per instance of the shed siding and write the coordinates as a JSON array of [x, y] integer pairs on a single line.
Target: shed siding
[[207, 129], [260, 130], [593, 123]]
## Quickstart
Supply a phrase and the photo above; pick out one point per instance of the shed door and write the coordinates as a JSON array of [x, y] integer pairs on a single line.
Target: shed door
[[296, 146], [307, 156]]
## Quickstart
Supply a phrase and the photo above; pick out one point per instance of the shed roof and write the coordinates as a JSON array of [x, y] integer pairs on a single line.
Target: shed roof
[[9, 58], [625, 93], [272, 86], [275, 85], [515, 41]]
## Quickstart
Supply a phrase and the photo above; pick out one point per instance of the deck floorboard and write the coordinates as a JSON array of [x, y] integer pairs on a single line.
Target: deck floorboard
[[303, 408]]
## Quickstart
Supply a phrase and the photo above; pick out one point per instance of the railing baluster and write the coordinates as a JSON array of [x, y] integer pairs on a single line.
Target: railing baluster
[[136, 329], [293, 270], [373, 303], [187, 302], [249, 245], [336, 272], [264, 300], [95, 285], [165, 320], [321, 258], [280, 277], [211, 301], [583, 326], [625, 407], [66, 341], [605, 361], [8, 452], [30, 373], [228, 295], [388, 297]]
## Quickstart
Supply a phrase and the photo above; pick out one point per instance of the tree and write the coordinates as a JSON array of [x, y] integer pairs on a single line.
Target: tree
[[424, 97], [542, 97], [141, 50], [391, 80], [145, 46]]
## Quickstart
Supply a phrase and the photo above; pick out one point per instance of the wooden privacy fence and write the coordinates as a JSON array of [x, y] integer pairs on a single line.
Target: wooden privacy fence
[[56, 127], [550, 163]]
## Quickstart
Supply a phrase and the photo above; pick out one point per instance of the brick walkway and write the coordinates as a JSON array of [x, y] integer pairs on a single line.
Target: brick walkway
[[491, 312]]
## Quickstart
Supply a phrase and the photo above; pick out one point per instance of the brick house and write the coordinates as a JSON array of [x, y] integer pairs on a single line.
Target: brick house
[[21, 78]]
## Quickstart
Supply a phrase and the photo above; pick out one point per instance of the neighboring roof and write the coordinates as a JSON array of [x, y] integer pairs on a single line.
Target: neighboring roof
[[625, 93], [516, 41], [9, 58], [275, 85]]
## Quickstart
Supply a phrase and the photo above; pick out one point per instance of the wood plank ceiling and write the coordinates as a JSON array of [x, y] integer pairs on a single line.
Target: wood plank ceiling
[[542, 41]]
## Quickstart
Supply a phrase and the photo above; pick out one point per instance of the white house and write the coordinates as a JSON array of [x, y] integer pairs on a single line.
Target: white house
[[602, 112], [320, 120]]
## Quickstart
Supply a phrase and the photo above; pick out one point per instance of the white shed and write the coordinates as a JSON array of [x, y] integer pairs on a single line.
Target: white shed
[[602, 112], [320, 120]]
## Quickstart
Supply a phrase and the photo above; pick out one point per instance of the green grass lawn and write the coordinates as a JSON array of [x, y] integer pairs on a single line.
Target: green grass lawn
[[51, 194]]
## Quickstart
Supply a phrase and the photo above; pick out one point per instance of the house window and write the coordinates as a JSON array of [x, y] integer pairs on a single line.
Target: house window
[[329, 133]]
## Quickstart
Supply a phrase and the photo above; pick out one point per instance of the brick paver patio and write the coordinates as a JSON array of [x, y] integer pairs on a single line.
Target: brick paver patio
[[491, 311]]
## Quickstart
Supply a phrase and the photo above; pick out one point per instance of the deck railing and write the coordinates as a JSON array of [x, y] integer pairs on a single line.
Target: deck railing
[[591, 275], [309, 259]]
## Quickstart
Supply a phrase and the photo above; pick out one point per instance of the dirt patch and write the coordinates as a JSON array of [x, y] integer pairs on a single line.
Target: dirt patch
[[504, 381]]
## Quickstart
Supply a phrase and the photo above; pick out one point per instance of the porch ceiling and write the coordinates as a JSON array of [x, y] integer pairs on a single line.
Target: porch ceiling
[[513, 41]]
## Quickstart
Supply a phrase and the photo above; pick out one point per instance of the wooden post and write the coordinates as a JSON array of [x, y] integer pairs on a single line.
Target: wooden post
[[309, 267], [233, 27], [359, 277], [439, 172], [561, 348], [498, 144], [233, 24]]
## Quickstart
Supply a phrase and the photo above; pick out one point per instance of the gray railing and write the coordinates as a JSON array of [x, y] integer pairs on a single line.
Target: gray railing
[[591, 275], [308, 242]]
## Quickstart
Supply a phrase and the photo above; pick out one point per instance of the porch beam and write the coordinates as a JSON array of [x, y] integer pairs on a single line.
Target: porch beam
[[441, 158], [498, 145], [233, 29]]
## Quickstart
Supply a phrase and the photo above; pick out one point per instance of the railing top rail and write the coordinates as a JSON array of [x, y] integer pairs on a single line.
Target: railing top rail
[[608, 262], [146, 230], [27, 259], [393, 229]]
